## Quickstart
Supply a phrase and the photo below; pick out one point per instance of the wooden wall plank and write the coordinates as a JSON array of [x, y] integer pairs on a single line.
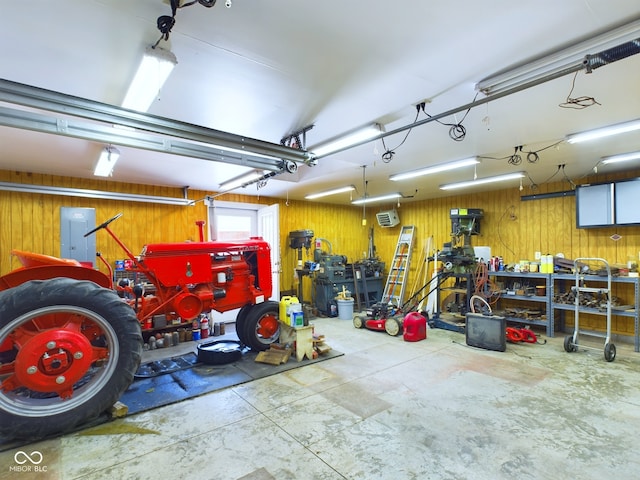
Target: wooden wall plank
[[512, 228]]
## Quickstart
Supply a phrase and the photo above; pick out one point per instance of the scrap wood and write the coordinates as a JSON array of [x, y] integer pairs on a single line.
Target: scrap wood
[[274, 356]]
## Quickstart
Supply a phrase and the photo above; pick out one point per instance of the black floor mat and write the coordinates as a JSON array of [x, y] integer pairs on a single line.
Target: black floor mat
[[172, 380], [195, 379]]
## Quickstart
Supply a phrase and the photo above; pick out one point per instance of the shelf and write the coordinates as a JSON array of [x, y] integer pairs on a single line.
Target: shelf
[[595, 311], [539, 280], [531, 298]]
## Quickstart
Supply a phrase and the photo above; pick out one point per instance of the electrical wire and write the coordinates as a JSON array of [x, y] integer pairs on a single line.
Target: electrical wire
[[580, 102], [457, 131], [500, 234], [388, 154], [573, 185], [165, 22]]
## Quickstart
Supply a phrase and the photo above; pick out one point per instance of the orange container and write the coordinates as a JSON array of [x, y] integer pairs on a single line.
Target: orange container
[[415, 327]]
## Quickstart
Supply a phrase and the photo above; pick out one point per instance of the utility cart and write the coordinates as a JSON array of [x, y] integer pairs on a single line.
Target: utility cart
[[571, 341]]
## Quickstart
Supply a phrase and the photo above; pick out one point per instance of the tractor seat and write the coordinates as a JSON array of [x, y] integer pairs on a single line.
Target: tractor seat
[[30, 259]]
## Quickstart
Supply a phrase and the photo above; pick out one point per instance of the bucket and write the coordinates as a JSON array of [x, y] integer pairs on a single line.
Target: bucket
[[345, 308], [415, 327]]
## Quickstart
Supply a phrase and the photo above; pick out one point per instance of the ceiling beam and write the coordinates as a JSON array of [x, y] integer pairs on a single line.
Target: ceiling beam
[[41, 99], [39, 122]]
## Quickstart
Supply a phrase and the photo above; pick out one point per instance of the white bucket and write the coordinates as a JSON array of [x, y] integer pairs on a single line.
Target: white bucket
[[345, 308]]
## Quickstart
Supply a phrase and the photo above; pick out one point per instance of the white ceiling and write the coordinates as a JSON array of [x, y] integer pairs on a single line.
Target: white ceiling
[[265, 69]]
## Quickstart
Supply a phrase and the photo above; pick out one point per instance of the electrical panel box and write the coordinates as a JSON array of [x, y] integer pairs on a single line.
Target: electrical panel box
[[74, 223]]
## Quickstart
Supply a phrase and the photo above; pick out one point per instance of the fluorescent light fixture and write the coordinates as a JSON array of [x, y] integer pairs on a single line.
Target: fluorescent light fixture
[[241, 180], [380, 198], [435, 169], [108, 158], [347, 140], [560, 62], [604, 131], [481, 181], [622, 157], [313, 196], [157, 63]]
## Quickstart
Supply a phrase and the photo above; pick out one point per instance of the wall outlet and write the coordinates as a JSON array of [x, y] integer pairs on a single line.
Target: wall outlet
[[538, 255]]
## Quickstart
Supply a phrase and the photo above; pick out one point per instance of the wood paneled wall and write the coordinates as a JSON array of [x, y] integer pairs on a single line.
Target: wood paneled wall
[[514, 229]]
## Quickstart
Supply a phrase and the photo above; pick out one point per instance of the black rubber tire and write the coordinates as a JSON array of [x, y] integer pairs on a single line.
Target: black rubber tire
[[255, 315], [241, 323], [609, 352], [568, 344], [28, 414]]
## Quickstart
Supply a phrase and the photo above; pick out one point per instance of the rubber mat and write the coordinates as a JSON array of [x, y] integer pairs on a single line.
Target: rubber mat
[[178, 378], [147, 392]]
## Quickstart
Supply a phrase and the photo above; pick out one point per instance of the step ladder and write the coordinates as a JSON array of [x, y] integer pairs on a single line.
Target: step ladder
[[399, 271]]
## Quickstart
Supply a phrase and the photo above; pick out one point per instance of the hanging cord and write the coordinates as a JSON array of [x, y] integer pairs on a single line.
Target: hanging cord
[[457, 131], [509, 210], [165, 22], [388, 154], [573, 185], [580, 102], [532, 155]]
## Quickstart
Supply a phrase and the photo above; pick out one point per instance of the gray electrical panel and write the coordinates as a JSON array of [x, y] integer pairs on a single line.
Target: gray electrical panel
[[74, 223]]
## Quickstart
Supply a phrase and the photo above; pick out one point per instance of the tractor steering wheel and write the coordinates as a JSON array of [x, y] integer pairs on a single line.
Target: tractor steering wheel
[[103, 225]]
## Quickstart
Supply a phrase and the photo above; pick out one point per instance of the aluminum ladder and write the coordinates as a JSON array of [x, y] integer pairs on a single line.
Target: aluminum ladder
[[398, 272]]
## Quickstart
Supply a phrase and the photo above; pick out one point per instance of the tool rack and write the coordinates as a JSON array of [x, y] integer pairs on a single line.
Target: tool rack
[[571, 341]]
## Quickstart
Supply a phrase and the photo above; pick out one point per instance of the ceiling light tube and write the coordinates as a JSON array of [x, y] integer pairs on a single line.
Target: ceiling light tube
[[241, 180], [380, 198], [157, 63], [313, 196], [347, 140], [604, 131], [481, 181], [561, 61], [108, 158], [435, 169], [622, 157]]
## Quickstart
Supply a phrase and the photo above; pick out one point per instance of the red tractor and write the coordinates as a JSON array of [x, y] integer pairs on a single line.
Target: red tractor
[[70, 344]]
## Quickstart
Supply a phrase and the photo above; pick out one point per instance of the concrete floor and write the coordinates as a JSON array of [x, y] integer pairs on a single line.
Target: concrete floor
[[387, 409]]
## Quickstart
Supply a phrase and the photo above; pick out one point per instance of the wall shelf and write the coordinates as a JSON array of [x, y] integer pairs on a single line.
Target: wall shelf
[[536, 279], [554, 312]]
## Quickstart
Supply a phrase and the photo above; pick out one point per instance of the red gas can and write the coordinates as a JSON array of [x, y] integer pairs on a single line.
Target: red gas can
[[415, 327]]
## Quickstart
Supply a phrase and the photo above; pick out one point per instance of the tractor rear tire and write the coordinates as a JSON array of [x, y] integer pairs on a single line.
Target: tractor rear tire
[[95, 339], [262, 327]]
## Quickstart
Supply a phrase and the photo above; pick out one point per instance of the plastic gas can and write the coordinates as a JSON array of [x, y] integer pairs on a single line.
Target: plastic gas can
[[285, 302], [415, 327]]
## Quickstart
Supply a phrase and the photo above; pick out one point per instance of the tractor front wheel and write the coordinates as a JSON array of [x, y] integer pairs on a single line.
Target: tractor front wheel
[[261, 326], [68, 350]]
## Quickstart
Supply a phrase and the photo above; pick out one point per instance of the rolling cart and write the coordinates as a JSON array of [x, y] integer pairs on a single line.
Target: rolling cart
[[571, 341]]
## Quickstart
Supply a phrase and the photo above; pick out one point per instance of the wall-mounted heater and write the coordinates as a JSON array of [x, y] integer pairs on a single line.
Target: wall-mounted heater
[[388, 218]]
